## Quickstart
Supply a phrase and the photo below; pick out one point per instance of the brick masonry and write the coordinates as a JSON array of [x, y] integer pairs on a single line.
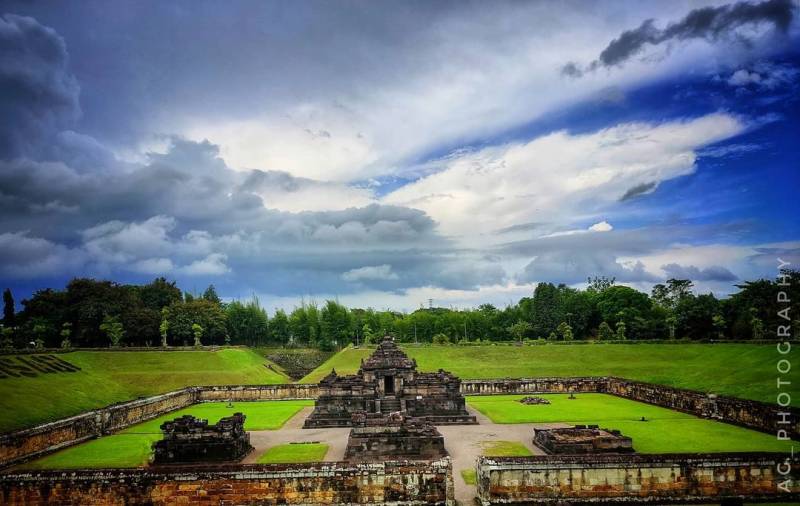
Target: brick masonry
[[400, 483], [579, 479]]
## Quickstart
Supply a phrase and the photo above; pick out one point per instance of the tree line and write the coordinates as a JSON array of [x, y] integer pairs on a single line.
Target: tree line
[[99, 313]]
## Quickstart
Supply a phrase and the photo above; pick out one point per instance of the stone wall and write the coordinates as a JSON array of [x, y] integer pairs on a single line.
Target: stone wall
[[28, 443], [752, 414], [503, 386], [399, 483], [257, 393], [636, 478]]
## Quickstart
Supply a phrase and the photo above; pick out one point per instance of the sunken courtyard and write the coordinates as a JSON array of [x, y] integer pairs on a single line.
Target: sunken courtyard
[[392, 434]]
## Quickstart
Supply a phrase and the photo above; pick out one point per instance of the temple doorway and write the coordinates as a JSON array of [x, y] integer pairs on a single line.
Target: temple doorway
[[388, 385]]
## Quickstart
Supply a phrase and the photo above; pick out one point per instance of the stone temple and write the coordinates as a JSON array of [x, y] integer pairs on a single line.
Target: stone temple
[[190, 440], [388, 382]]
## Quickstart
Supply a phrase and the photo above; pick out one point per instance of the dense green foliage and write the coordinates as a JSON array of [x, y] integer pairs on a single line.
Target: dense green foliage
[[665, 431], [297, 453], [740, 370], [131, 447], [107, 377], [158, 313]]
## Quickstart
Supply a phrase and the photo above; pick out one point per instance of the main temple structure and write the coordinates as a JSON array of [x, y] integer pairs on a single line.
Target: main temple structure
[[388, 382]]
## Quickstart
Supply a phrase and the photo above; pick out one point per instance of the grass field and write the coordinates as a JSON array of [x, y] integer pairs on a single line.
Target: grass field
[[294, 453], [740, 370], [470, 476], [107, 377], [504, 449], [132, 447], [666, 431]]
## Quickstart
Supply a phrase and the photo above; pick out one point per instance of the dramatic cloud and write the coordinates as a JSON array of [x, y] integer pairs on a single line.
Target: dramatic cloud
[[709, 23], [382, 165], [560, 175], [713, 273], [39, 94]]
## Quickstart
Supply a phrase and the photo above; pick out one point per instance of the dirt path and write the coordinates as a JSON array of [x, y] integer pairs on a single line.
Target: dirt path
[[463, 443], [293, 432]]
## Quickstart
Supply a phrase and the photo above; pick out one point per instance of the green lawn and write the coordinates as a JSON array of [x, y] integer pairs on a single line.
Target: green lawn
[[504, 449], [740, 370], [107, 377], [294, 453], [470, 476], [666, 431], [131, 447]]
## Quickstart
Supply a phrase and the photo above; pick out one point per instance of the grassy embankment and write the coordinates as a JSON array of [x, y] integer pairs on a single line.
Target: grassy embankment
[[107, 377], [740, 370]]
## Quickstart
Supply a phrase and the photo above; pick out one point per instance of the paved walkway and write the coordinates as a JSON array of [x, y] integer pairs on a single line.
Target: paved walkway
[[463, 442]]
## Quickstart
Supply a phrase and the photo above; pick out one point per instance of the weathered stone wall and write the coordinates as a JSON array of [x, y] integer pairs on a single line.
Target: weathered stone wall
[[400, 483], [257, 392], [756, 415], [28, 443], [636, 478], [533, 386]]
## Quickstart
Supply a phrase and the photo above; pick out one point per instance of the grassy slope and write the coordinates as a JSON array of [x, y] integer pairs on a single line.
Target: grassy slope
[[294, 453], [132, 446], [107, 377], [665, 431], [741, 370]]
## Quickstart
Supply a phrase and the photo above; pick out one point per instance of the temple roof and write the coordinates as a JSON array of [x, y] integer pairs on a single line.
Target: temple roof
[[388, 356]]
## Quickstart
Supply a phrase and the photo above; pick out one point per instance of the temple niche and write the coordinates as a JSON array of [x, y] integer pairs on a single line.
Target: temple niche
[[388, 382]]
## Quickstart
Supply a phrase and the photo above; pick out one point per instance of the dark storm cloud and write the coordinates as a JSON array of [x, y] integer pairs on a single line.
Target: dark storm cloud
[[710, 23], [639, 189], [713, 273], [38, 94]]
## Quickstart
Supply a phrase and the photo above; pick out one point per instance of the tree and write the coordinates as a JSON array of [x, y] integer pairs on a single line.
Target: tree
[[209, 315], [66, 333], [756, 324], [621, 331], [547, 311], [719, 326], [113, 329], [159, 294], [247, 322], [441, 339], [335, 325], [279, 327], [9, 319], [600, 283], [565, 331], [211, 295], [366, 331], [197, 332], [6, 339], [519, 330], [163, 327], [604, 332]]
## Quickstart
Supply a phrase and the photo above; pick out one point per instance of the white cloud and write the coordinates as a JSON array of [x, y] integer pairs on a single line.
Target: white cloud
[[212, 265], [32, 257], [559, 177], [602, 226], [372, 272]]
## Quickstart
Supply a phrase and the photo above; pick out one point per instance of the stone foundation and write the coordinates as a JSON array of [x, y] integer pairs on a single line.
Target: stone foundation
[[190, 440], [395, 437], [581, 440], [658, 479], [399, 483]]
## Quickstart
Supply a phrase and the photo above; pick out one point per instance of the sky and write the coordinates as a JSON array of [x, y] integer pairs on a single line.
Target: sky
[[388, 153]]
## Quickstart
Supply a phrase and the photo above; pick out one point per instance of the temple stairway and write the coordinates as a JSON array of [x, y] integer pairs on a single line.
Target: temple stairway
[[390, 405]]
